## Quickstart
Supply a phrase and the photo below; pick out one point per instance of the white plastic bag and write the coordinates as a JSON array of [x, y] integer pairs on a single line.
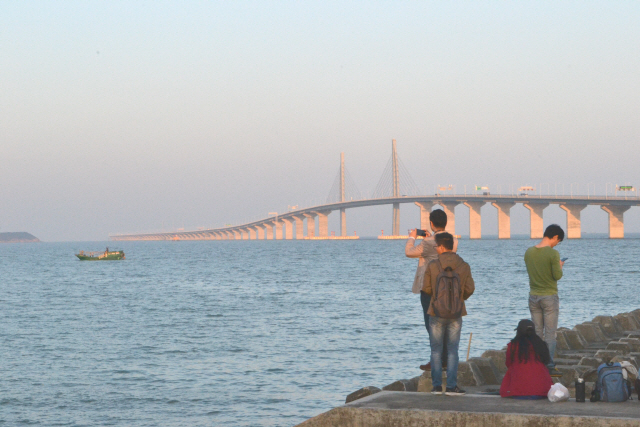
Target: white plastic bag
[[558, 393]]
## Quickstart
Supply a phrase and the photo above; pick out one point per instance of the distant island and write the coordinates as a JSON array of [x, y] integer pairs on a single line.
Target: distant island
[[18, 237]]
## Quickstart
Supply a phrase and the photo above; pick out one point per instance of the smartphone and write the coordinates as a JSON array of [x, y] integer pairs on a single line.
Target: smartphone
[[421, 232], [564, 259]]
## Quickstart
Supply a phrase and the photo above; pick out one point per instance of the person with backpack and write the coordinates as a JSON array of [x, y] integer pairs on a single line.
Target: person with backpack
[[426, 252], [527, 357], [449, 282], [544, 268]]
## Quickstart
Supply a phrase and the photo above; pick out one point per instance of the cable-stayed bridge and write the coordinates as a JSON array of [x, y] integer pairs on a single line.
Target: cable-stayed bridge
[[396, 187]]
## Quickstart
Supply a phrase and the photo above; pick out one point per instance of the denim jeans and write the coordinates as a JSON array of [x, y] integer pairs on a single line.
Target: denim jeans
[[425, 300], [544, 314], [444, 330]]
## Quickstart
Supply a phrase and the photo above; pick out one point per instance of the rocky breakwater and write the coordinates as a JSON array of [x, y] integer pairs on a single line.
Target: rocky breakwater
[[579, 351]]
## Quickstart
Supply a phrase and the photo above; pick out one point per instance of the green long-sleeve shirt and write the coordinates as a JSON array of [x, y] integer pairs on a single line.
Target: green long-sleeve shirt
[[543, 266]]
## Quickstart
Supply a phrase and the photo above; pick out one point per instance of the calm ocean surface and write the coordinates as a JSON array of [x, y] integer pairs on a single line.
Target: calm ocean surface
[[251, 333]]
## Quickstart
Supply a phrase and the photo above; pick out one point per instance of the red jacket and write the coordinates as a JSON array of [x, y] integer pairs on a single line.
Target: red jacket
[[525, 379]]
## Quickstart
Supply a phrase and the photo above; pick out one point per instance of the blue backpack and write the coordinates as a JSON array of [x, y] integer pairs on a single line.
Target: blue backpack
[[611, 385]]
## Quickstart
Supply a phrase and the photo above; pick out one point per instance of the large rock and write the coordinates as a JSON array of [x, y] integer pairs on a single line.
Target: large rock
[[634, 344], [571, 373], [627, 321], [403, 385], [636, 314], [561, 342], [465, 375], [610, 325], [621, 347], [591, 332], [499, 358], [590, 361], [363, 392], [485, 371], [574, 339], [606, 355]]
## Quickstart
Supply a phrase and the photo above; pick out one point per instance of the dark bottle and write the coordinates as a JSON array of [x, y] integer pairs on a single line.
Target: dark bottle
[[580, 390]]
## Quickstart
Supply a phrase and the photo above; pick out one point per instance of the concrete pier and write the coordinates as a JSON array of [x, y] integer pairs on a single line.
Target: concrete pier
[[299, 227], [616, 221], [504, 218], [425, 211], [269, 227], [252, 233], [343, 222], [475, 219], [574, 230], [260, 231], [288, 228], [395, 225], [450, 209], [323, 223], [311, 224], [537, 224]]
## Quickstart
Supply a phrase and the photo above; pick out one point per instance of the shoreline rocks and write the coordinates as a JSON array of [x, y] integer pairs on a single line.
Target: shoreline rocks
[[579, 351]]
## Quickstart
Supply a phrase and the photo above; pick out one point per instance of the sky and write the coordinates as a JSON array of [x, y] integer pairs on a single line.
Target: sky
[[127, 117]]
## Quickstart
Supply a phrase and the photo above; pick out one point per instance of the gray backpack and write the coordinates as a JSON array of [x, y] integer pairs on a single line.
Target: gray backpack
[[447, 300]]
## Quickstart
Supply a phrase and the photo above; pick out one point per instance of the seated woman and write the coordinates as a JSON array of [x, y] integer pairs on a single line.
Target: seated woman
[[527, 374]]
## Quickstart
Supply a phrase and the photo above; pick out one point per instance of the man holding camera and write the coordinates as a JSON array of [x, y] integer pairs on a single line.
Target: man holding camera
[[448, 280], [426, 252]]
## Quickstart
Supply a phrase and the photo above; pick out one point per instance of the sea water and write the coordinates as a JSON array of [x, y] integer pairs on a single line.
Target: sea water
[[252, 333]]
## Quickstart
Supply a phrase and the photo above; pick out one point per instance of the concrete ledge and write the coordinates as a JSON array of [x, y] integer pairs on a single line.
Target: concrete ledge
[[396, 409]]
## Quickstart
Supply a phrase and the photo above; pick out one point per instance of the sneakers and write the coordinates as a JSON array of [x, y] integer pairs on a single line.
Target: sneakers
[[437, 390], [456, 391], [554, 372]]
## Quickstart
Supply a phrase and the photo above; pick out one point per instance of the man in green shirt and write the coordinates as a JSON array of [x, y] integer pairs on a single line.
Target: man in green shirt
[[545, 269]]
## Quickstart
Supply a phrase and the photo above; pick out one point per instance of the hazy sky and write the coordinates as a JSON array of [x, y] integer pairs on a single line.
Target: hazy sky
[[149, 115]]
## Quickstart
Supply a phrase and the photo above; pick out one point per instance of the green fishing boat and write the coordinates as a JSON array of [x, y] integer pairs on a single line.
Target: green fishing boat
[[101, 256]]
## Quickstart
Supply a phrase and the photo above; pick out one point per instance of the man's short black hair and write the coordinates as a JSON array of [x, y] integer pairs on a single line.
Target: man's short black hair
[[445, 240], [438, 218], [554, 230]]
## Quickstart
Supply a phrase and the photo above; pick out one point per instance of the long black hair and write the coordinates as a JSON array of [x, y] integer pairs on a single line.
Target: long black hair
[[524, 339]]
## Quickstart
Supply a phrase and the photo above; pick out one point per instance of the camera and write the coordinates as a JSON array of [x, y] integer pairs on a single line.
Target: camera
[[421, 232]]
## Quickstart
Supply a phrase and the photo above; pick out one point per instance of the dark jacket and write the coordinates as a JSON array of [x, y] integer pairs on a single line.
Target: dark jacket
[[453, 260]]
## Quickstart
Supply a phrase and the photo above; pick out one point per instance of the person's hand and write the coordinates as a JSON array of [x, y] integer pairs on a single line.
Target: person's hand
[[428, 233], [413, 233], [561, 264]]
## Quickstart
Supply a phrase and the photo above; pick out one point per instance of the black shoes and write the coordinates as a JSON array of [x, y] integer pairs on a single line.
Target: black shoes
[[427, 367], [456, 391], [437, 390]]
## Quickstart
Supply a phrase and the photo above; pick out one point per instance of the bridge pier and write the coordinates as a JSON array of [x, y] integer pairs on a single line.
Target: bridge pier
[[425, 210], [260, 232], [504, 219], [236, 235], [278, 230], [311, 224], [573, 219], [536, 218], [269, 228], [395, 226], [616, 220], [299, 227], [288, 228], [323, 223], [252, 233], [449, 209], [475, 218], [343, 222]]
